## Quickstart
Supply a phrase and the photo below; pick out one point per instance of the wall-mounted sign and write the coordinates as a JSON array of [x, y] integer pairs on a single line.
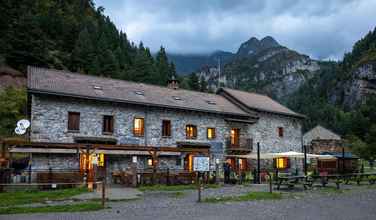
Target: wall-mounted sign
[[201, 164], [134, 159]]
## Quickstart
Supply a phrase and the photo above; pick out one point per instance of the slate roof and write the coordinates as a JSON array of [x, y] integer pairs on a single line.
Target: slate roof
[[63, 83], [260, 102], [319, 133]]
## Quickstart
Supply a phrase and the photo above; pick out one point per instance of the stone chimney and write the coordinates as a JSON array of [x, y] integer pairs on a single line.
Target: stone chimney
[[173, 83]]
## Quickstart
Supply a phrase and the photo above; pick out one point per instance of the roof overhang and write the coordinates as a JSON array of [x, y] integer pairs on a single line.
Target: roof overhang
[[241, 120], [250, 108]]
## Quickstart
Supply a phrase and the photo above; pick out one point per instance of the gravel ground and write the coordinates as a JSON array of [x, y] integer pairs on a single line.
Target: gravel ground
[[357, 203]]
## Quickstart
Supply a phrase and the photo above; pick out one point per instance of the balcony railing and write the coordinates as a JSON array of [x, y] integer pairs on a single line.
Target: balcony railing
[[244, 144]]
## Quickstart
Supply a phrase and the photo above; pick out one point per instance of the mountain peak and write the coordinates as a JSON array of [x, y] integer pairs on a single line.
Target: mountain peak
[[268, 42], [253, 45]]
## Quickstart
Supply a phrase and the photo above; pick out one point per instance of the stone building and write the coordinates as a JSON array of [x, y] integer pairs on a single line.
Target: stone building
[[70, 108], [319, 133]]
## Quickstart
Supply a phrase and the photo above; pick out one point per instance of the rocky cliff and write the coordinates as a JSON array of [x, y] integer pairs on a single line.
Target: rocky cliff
[[355, 90], [264, 66]]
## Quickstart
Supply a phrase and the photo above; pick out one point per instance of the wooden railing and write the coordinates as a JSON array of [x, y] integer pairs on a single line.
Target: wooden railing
[[244, 144]]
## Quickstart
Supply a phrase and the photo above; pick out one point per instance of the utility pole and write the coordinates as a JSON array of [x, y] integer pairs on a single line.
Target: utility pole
[[219, 71]]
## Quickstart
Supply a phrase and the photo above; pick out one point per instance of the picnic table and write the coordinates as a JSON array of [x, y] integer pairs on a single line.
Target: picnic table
[[289, 181], [338, 178]]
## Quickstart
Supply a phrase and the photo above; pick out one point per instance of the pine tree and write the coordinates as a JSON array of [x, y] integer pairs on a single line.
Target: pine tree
[[162, 67], [193, 82], [203, 84], [83, 53]]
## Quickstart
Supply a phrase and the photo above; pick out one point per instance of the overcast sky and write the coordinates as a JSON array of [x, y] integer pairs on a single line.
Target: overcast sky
[[320, 28]]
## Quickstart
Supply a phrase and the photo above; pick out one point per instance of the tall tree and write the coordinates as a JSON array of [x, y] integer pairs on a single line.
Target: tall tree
[[162, 67], [193, 82]]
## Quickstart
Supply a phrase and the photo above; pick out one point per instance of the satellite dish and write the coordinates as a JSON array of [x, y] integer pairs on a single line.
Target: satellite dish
[[20, 131], [24, 124]]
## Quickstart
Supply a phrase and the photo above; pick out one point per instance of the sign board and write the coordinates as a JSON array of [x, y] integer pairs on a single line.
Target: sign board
[[134, 159], [201, 164]]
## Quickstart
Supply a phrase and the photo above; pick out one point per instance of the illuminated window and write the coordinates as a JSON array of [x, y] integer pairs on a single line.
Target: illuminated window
[[211, 133], [280, 132], [138, 127], [191, 131], [150, 162], [234, 135], [166, 128], [282, 163]]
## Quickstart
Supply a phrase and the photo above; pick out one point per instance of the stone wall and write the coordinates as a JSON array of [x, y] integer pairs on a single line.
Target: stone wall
[[265, 131], [50, 118], [64, 162], [319, 146]]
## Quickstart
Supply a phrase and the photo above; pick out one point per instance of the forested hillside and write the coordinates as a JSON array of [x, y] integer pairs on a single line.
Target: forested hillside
[[77, 36], [73, 35], [343, 96]]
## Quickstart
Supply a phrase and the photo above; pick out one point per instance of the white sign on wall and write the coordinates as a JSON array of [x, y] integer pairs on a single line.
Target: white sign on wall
[[201, 164]]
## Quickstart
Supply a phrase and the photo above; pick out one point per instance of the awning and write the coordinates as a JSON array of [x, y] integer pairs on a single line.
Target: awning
[[95, 139], [74, 151], [289, 154]]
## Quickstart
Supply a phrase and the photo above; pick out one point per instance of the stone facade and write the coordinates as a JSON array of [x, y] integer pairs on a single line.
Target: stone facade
[[265, 131], [49, 119], [320, 146], [319, 133]]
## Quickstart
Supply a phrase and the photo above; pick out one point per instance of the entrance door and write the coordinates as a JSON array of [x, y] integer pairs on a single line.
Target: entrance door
[[188, 162]]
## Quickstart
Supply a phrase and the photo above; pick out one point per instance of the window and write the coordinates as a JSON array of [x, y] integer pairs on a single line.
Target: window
[[178, 162], [150, 162], [73, 121], [235, 136], [282, 163], [280, 132], [191, 131], [166, 128], [138, 127], [211, 133], [108, 124]]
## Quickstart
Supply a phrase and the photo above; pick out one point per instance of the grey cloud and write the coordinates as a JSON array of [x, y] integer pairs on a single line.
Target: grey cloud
[[319, 28]]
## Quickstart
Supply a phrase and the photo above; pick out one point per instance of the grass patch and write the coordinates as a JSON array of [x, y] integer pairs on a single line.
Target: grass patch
[[332, 190], [177, 194], [34, 196], [81, 207], [246, 197], [160, 187]]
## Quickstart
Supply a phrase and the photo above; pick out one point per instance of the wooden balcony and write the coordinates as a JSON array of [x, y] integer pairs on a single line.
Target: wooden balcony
[[244, 144]]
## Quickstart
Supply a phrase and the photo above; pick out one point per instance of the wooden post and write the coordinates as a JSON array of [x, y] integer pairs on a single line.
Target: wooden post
[[104, 192], [258, 163], [270, 183], [305, 159], [168, 176], [86, 175], [343, 160], [30, 158], [155, 163], [198, 187]]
